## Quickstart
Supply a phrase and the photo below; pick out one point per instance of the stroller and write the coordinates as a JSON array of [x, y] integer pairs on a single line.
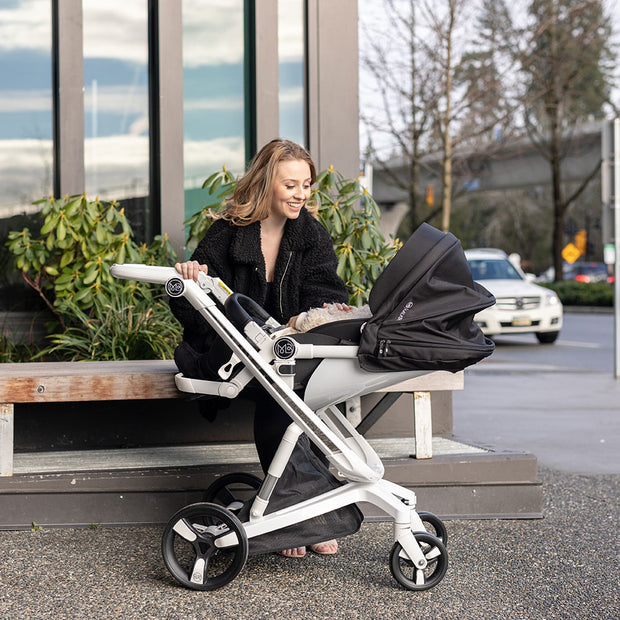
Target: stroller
[[422, 320]]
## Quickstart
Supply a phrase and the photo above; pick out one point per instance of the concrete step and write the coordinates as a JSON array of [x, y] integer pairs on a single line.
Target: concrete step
[[147, 485]]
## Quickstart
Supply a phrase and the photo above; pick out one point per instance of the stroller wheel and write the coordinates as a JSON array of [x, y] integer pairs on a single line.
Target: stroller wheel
[[434, 525], [232, 490], [413, 578], [204, 546]]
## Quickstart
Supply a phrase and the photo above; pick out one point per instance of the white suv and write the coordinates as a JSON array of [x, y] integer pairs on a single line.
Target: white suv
[[522, 306]]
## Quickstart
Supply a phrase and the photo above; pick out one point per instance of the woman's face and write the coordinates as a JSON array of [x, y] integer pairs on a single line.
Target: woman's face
[[291, 189]]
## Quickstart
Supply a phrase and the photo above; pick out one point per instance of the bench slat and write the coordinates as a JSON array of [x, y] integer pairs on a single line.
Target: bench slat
[[87, 381]]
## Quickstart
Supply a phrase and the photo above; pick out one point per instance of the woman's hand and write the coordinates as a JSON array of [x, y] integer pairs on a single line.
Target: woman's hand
[[343, 307], [190, 269]]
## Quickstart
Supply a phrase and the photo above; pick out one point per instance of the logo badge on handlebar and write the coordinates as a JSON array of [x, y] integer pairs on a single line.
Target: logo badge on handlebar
[[175, 287], [284, 348]]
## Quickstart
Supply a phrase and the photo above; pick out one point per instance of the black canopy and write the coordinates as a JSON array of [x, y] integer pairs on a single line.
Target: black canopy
[[423, 306]]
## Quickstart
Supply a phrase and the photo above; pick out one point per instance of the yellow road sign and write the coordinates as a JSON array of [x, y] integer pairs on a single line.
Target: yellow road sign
[[571, 253]]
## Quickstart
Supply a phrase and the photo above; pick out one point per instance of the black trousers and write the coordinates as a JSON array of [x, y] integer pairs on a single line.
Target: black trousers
[[270, 424]]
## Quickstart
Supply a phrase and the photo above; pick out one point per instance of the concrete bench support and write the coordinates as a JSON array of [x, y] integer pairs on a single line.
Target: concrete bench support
[[6, 439]]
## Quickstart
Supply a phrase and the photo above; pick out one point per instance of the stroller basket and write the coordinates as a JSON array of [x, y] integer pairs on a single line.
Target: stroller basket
[[206, 545]]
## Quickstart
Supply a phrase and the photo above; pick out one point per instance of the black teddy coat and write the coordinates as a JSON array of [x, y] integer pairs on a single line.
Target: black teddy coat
[[305, 273]]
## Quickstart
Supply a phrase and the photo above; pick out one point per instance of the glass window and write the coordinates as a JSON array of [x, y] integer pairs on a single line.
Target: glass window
[[213, 93], [25, 104], [291, 49], [26, 128], [116, 107]]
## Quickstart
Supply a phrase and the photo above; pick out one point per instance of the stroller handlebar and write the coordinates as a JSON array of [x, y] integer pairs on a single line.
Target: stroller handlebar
[[144, 273]]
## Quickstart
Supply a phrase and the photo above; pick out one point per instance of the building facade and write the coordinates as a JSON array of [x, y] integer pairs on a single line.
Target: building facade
[[141, 101]]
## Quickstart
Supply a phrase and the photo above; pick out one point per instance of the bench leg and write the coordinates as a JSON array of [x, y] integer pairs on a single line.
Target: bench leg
[[6, 439], [423, 425]]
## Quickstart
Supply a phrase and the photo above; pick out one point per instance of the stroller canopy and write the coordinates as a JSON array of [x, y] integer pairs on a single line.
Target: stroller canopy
[[423, 306]]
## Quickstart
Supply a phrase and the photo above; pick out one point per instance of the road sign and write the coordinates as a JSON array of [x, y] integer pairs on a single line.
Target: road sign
[[571, 253]]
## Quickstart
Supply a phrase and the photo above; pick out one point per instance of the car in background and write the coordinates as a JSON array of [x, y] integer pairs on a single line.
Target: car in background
[[588, 272], [582, 271], [521, 306]]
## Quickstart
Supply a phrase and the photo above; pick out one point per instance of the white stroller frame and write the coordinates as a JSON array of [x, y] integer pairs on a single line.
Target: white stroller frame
[[270, 359]]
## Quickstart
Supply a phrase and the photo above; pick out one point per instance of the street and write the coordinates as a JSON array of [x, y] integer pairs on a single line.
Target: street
[[585, 342], [559, 402]]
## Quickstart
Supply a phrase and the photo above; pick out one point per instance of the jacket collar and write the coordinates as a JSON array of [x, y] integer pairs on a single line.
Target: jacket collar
[[246, 244]]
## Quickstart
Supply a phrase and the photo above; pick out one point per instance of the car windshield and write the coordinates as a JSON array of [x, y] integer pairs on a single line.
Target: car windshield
[[493, 269]]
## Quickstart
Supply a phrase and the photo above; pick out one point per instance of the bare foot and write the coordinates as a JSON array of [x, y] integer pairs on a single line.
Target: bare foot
[[296, 552], [325, 548]]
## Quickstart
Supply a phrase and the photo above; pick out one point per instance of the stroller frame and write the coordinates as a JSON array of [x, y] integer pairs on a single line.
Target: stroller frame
[[418, 559]]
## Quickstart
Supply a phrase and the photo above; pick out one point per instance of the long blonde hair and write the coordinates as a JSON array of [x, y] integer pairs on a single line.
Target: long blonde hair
[[251, 200]]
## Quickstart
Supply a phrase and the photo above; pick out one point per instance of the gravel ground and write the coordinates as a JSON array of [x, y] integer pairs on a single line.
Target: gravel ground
[[562, 566]]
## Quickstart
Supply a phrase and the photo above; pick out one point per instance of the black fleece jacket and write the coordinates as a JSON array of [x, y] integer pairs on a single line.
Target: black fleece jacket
[[305, 273]]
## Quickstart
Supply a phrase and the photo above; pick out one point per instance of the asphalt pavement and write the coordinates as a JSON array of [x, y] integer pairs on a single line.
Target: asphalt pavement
[[565, 565]]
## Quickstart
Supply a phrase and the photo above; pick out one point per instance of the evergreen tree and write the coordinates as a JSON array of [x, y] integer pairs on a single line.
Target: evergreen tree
[[567, 68]]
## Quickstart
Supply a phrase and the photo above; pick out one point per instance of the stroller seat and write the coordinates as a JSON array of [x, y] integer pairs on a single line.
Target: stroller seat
[[348, 329]]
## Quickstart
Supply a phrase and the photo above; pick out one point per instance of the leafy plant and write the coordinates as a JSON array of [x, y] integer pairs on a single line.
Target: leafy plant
[[67, 263], [78, 242], [125, 326], [345, 208]]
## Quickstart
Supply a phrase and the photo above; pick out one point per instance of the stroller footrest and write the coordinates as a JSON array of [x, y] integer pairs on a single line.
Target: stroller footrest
[[202, 386]]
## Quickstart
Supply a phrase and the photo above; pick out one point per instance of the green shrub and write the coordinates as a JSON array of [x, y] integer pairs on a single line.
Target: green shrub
[[125, 327], [347, 211], [67, 263], [573, 293]]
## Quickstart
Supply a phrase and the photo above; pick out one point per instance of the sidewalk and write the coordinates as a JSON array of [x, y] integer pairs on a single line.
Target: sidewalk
[[563, 566]]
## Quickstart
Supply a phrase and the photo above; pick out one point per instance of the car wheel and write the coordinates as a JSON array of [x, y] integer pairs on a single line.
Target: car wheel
[[547, 337]]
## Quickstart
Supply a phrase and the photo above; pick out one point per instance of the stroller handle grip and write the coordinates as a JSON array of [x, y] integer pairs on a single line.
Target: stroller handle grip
[[144, 273], [241, 310]]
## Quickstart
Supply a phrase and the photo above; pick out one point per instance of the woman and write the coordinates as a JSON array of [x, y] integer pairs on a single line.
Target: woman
[[267, 245]]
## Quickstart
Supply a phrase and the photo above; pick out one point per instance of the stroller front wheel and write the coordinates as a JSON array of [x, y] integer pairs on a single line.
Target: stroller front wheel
[[412, 578], [204, 546], [435, 526]]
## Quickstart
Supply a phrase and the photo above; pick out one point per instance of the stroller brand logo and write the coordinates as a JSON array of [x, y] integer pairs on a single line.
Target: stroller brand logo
[[175, 287], [404, 311]]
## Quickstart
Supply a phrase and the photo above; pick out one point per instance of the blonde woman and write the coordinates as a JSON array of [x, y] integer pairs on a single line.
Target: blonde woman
[[265, 244]]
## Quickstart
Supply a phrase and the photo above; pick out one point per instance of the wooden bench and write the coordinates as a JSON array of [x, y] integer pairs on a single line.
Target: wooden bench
[[47, 382]]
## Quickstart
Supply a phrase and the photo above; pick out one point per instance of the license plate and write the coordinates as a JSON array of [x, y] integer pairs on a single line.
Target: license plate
[[523, 321]]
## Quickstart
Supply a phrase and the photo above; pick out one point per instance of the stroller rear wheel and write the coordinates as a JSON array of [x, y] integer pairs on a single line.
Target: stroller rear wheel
[[413, 578], [204, 546], [232, 490]]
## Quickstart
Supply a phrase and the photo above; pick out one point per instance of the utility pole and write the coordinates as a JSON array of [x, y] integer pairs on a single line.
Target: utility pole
[[610, 198]]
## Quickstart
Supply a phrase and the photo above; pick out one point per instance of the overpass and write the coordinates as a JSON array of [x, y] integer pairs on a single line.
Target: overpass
[[514, 164]]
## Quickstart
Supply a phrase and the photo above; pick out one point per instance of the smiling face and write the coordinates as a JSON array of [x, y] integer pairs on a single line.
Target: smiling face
[[291, 189]]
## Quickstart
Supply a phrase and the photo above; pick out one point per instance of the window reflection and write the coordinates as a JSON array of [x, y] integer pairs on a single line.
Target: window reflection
[[291, 55], [213, 93], [116, 108], [26, 153], [26, 142]]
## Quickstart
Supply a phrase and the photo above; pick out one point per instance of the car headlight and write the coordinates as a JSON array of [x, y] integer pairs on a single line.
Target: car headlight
[[551, 299]]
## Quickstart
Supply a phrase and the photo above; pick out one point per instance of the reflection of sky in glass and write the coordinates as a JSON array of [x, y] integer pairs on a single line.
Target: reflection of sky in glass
[[213, 92], [291, 56], [116, 149], [25, 104]]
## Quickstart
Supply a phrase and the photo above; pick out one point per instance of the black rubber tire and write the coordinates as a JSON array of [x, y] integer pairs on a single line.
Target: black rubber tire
[[232, 490], [547, 337], [411, 578], [189, 546], [435, 526]]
